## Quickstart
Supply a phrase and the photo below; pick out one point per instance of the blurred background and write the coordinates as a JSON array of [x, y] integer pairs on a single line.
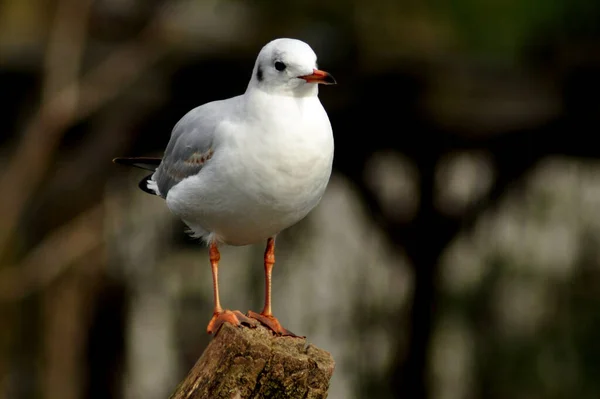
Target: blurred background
[[455, 254]]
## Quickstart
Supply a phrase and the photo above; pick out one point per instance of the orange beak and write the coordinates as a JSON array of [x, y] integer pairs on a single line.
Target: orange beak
[[319, 76]]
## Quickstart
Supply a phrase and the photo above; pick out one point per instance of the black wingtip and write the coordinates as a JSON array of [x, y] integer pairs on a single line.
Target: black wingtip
[[143, 185]]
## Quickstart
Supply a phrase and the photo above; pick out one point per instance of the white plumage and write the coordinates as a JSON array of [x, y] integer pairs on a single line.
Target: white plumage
[[240, 170]]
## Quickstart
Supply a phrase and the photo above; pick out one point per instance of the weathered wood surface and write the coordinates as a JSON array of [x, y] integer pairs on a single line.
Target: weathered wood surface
[[251, 363]]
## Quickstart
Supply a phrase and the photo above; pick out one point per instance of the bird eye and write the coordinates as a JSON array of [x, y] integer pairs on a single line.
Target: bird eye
[[280, 66]]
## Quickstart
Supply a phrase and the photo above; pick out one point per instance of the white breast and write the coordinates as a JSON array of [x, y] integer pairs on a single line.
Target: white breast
[[267, 173]]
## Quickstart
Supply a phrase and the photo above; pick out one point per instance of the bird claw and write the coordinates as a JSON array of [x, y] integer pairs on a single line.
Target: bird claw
[[272, 323], [234, 317]]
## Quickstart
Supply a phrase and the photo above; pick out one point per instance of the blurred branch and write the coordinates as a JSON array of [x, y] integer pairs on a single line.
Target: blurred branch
[[424, 248], [53, 256], [65, 48], [66, 318], [29, 163], [75, 101]]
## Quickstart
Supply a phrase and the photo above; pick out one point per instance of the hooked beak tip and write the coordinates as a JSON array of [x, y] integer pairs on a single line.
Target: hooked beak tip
[[320, 77]]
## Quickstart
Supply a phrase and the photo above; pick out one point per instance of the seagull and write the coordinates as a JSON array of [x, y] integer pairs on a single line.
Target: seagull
[[239, 171]]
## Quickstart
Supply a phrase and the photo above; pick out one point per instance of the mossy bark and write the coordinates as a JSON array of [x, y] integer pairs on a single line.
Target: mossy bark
[[249, 363]]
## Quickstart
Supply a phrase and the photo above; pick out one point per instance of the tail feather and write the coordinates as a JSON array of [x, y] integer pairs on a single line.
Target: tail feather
[[146, 184], [140, 162]]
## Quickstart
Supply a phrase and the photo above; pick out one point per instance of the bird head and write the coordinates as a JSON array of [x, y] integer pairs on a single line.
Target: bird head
[[288, 67]]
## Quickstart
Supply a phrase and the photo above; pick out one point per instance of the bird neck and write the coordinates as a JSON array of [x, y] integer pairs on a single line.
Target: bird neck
[[261, 103]]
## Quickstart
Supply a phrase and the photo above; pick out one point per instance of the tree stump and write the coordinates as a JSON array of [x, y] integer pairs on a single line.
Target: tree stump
[[251, 363]]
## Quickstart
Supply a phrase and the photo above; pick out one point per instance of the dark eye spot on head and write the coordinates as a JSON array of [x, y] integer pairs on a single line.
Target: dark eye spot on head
[[280, 66], [259, 74]]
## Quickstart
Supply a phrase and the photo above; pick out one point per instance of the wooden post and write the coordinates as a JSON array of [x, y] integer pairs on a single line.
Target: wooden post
[[252, 363]]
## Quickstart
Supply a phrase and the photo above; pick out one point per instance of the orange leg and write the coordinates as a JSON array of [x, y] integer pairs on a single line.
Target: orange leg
[[221, 316], [266, 316]]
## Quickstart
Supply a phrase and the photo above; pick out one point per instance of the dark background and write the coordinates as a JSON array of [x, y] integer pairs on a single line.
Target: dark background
[[455, 254]]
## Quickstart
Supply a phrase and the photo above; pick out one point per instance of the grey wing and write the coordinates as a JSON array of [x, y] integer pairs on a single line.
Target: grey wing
[[190, 146]]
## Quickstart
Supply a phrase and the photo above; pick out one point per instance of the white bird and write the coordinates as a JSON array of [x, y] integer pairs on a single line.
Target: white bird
[[240, 170]]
